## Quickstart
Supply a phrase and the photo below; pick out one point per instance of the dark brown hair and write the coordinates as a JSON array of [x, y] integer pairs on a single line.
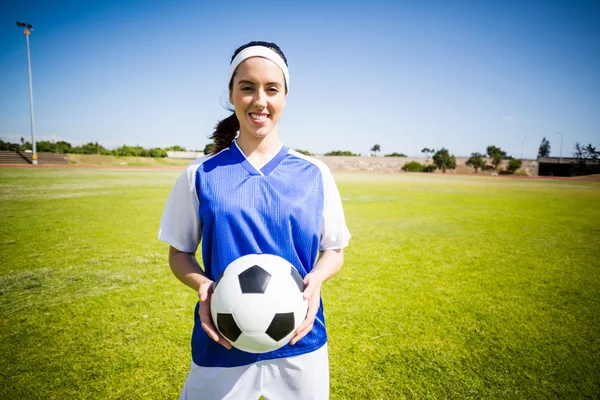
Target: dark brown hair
[[227, 128]]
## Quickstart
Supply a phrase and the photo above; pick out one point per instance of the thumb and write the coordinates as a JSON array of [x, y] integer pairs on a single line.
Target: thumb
[[204, 291], [309, 288]]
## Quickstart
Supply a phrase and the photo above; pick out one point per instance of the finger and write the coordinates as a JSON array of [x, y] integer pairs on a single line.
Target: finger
[[214, 335], [223, 342], [300, 335], [313, 306], [309, 285], [307, 323], [207, 323], [205, 291], [309, 290], [211, 331], [311, 313]]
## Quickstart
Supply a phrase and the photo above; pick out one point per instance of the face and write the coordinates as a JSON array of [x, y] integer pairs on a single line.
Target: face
[[258, 95]]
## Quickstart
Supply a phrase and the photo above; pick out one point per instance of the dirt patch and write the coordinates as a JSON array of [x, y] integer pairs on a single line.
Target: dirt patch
[[376, 165]]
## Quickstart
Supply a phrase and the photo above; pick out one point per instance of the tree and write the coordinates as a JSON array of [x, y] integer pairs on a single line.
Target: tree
[[444, 160], [376, 148], [496, 154], [394, 154], [544, 150], [582, 154], [63, 147], [305, 152], [44, 146], [590, 152], [8, 146], [514, 165], [340, 153], [90, 148], [157, 153], [208, 149], [427, 151], [578, 154], [476, 161], [175, 148]]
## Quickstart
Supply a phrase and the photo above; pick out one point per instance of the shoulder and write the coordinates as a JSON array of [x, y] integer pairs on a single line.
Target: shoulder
[[192, 168], [311, 160]]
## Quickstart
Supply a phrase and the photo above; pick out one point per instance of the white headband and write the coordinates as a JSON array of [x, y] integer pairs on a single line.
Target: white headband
[[264, 52]]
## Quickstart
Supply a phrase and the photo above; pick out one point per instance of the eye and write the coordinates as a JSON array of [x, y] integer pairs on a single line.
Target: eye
[[273, 89], [246, 88]]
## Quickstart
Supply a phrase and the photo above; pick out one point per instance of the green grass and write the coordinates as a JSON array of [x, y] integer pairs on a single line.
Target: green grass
[[453, 287], [117, 161]]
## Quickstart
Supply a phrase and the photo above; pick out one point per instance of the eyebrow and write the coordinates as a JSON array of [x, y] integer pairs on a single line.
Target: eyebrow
[[245, 82]]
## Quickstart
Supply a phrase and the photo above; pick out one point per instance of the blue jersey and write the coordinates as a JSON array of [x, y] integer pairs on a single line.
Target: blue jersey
[[290, 207]]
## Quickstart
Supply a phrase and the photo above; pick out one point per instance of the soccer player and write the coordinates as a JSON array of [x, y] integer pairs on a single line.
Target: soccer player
[[254, 195]]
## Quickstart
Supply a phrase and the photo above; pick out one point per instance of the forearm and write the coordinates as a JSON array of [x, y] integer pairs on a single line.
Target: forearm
[[186, 268], [329, 264]]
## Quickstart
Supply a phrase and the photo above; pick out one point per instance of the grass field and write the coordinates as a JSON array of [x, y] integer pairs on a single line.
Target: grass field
[[93, 159], [453, 287]]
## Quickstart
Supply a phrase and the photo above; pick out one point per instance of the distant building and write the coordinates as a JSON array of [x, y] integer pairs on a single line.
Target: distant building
[[192, 155], [567, 166]]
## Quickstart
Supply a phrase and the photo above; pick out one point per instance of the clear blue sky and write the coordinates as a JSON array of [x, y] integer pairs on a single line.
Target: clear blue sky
[[403, 74]]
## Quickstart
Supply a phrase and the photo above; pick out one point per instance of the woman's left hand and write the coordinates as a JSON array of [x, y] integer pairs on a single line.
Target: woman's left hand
[[312, 293]]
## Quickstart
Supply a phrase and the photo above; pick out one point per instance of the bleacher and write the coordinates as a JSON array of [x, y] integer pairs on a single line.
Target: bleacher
[[12, 157], [15, 157]]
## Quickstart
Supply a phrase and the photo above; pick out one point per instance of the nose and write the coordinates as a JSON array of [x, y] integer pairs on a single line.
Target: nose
[[261, 99]]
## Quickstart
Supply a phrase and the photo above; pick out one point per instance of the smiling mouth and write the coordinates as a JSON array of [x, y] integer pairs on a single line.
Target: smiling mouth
[[259, 117]]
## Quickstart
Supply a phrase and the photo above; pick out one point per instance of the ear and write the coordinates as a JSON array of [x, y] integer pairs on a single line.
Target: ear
[[231, 98]]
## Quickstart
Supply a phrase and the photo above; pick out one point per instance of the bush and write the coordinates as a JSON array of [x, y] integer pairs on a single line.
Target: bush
[[157, 153], [429, 168], [413, 166], [305, 152], [340, 153], [513, 165], [208, 149], [394, 154]]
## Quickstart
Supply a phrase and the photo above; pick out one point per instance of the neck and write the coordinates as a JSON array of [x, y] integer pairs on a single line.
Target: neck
[[259, 147]]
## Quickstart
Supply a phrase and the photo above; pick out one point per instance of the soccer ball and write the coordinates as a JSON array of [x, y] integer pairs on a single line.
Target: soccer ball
[[257, 303]]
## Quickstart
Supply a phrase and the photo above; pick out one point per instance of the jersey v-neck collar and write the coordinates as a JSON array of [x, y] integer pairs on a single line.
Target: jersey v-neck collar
[[265, 169]]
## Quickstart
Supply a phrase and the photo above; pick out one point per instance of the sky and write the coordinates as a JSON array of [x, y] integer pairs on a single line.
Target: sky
[[402, 74]]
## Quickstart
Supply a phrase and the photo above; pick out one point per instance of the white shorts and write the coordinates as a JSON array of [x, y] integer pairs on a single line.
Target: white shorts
[[300, 377]]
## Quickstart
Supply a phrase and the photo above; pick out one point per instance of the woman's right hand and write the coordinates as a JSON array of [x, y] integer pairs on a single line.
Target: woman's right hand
[[205, 293]]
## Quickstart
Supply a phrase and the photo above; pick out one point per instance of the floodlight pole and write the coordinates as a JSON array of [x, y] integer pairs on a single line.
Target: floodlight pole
[[27, 33], [561, 140]]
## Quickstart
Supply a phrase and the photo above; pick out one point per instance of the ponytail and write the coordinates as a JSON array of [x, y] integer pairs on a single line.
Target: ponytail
[[225, 133]]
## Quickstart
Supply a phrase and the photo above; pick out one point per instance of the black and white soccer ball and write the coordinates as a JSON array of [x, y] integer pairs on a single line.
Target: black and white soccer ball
[[258, 303]]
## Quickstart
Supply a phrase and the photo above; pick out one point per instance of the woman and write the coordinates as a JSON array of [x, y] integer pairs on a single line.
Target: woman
[[254, 195]]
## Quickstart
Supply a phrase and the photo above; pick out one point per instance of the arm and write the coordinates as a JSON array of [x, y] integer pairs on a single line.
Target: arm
[[186, 268], [328, 265]]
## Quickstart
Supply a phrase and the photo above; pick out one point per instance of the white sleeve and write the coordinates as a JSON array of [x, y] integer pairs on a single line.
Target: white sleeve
[[180, 223], [335, 234]]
